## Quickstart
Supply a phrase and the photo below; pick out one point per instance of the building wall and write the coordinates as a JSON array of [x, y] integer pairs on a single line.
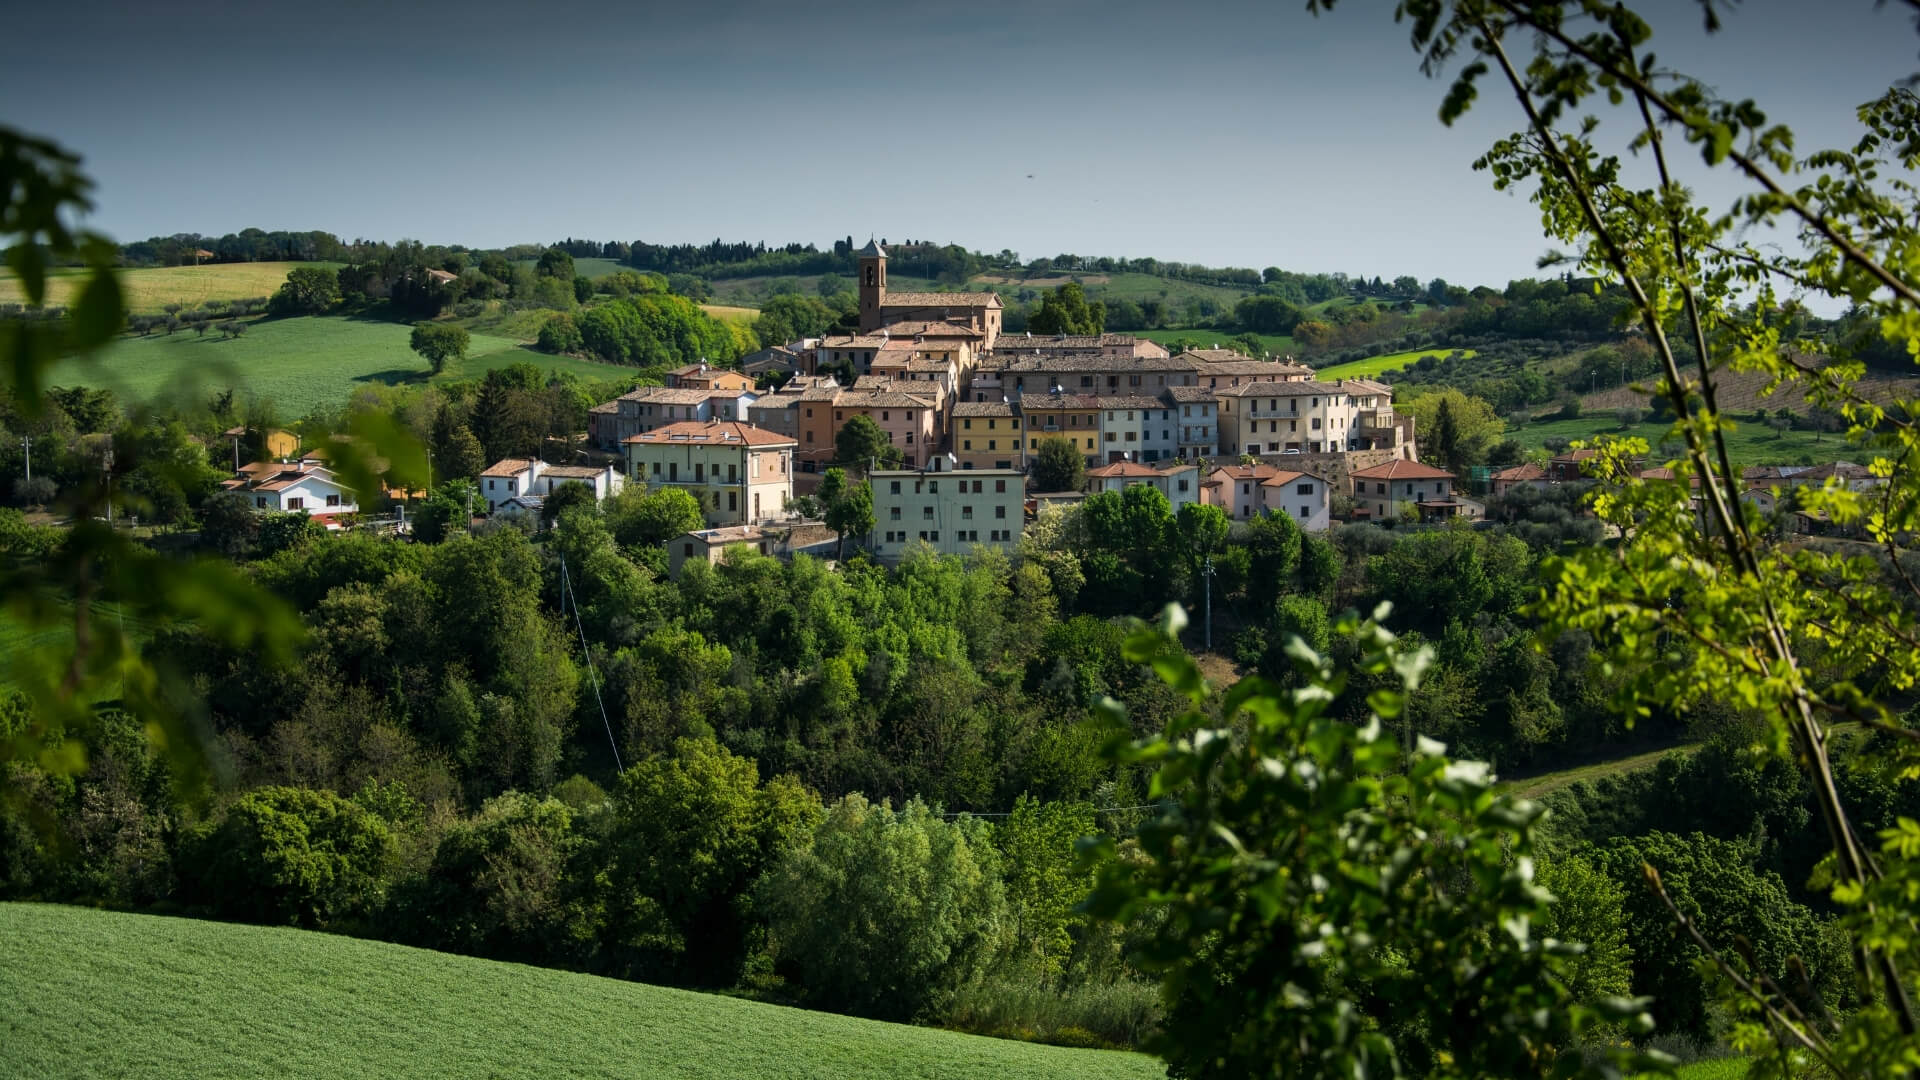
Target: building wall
[[945, 511], [310, 495], [1080, 425], [912, 429], [1397, 494], [1305, 499], [989, 442], [735, 485]]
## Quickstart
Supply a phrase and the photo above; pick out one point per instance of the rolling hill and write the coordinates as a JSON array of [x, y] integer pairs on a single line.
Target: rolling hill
[[95, 993], [150, 289]]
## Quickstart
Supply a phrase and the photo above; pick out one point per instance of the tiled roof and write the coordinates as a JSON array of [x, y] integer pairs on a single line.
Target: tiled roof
[[934, 329], [668, 395], [1192, 394], [853, 341], [983, 408], [940, 299], [1130, 401], [1401, 469], [894, 399], [1019, 363], [1258, 471], [1014, 342], [1032, 402], [1528, 471], [1284, 477], [712, 433], [1122, 468], [579, 472], [1281, 389], [512, 466], [1243, 366]]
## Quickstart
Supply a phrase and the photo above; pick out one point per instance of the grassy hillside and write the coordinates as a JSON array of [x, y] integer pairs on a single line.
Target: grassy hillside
[[1278, 344], [298, 363], [148, 290], [1747, 443], [1377, 365], [94, 993]]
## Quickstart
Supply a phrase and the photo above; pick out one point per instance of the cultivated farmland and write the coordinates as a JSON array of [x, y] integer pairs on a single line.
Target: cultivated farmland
[[1379, 365], [297, 363], [150, 289], [95, 993]]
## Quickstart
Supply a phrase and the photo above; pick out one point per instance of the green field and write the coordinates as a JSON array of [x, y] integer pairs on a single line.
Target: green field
[[297, 363], [1379, 365], [1747, 443], [591, 269], [92, 993], [150, 289]]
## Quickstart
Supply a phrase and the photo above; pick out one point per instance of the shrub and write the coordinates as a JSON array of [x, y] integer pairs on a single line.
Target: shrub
[[288, 855]]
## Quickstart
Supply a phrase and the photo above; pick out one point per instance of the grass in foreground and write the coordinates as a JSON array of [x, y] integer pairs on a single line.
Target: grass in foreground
[[297, 363], [96, 993], [150, 289], [1380, 365]]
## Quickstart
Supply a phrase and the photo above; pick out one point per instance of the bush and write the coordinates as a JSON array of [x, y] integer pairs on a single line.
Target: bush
[[38, 491], [288, 855], [1569, 408], [1116, 1016], [1629, 416], [887, 914]]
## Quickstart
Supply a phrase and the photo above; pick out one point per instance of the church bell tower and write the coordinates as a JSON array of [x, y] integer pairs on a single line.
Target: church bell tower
[[873, 285]]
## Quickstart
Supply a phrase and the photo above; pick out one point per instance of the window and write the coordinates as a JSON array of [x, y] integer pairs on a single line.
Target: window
[[934, 536], [966, 513], [1133, 380], [1183, 484], [687, 550], [1379, 489], [296, 503], [1000, 512], [893, 513], [260, 502], [968, 424], [933, 487], [333, 500], [976, 486], [1316, 423], [1000, 487], [927, 512], [923, 534], [733, 473], [993, 444], [909, 438], [733, 501], [966, 444], [895, 487], [884, 415], [1303, 511], [1086, 380]]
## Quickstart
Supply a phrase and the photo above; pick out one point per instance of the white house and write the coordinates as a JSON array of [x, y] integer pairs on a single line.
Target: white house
[[1305, 498], [524, 481], [1179, 483], [303, 485]]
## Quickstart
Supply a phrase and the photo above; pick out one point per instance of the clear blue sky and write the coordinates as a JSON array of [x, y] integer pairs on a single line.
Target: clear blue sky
[[1247, 134]]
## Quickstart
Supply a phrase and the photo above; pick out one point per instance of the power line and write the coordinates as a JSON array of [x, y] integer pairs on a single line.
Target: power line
[[569, 595]]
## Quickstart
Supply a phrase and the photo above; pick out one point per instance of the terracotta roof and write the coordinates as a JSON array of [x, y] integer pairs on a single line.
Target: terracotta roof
[[1032, 402], [1258, 471], [1193, 394], [1282, 389], [1123, 468], [983, 408], [1010, 342], [1130, 401], [1284, 477], [512, 466], [936, 328], [668, 395], [882, 397], [1240, 365], [1528, 471], [940, 299], [1577, 455], [853, 341], [581, 472], [1401, 469], [1026, 362], [442, 276], [710, 432]]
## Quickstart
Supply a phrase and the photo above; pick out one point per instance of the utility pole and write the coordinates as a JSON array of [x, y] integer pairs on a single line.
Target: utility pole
[[106, 466], [27, 441], [1208, 574]]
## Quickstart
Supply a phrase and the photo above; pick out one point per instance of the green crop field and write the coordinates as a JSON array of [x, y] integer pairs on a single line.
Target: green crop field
[[1747, 443], [1379, 365], [297, 363], [92, 993], [591, 269], [149, 290]]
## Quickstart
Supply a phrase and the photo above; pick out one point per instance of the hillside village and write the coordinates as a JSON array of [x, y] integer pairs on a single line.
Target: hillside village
[[966, 406]]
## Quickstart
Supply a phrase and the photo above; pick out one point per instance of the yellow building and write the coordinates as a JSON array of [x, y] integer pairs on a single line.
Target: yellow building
[[740, 474], [1075, 417], [988, 435]]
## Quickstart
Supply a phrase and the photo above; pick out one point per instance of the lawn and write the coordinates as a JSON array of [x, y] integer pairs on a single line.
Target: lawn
[[731, 313], [297, 363], [1747, 443], [1379, 365], [150, 289], [94, 993]]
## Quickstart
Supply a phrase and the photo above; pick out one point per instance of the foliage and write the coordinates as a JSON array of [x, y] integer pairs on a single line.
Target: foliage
[[1331, 904], [1065, 310], [849, 512], [1057, 465], [861, 445], [560, 334], [308, 290], [887, 913], [641, 518], [1476, 427], [289, 855], [656, 330], [440, 343]]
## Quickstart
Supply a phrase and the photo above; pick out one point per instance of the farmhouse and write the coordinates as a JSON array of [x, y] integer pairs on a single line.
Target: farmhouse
[[1246, 490], [1385, 492], [514, 485], [304, 485], [780, 541]]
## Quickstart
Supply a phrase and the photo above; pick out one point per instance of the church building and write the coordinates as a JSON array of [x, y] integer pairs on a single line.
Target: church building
[[881, 310]]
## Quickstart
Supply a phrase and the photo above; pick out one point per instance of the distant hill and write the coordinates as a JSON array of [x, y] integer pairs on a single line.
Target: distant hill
[[149, 290], [94, 993]]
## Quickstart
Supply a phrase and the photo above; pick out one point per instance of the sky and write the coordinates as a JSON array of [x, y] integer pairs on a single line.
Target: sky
[[1223, 133]]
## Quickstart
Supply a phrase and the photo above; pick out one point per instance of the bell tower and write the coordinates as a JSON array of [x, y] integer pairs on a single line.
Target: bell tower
[[873, 285]]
